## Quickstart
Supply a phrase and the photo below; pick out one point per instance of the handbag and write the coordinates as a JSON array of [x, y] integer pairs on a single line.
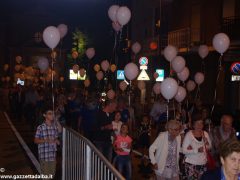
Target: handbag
[[211, 163]]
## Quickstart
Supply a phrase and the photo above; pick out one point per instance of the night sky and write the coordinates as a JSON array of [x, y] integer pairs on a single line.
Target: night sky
[[20, 20]]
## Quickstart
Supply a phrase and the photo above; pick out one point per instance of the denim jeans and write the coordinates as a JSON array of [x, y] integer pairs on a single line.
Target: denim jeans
[[105, 148], [124, 165]]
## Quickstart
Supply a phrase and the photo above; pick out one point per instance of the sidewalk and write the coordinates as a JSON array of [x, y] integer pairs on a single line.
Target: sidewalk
[[13, 159]]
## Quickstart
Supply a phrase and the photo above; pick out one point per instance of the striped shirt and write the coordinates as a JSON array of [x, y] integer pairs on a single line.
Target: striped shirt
[[47, 151]]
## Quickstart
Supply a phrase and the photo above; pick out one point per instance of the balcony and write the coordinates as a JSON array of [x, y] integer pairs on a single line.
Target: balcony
[[184, 38], [231, 26]]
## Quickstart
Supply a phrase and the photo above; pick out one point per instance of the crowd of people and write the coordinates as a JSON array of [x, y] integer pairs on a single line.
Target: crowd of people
[[177, 142]]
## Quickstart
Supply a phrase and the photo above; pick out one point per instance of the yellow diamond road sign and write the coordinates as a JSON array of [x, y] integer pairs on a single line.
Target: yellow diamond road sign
[[143, 76]]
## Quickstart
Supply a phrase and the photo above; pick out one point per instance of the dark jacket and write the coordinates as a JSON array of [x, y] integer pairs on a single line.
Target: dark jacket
[[212, 175]]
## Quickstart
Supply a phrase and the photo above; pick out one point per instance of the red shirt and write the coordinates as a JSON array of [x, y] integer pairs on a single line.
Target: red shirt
[[123, 142]]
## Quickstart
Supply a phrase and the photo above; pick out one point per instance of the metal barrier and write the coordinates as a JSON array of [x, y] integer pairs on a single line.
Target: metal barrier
[[82, 161]]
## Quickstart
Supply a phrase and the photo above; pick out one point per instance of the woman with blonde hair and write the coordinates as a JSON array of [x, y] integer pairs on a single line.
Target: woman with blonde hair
[[164, 152]]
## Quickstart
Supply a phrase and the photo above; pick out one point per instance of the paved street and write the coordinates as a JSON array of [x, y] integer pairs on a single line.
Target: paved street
[[14, 159], [12, 156]]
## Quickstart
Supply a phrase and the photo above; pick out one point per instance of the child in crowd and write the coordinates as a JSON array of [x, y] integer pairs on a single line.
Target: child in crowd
[[144, 134], [47, 139], [117, 123], [122, 146]]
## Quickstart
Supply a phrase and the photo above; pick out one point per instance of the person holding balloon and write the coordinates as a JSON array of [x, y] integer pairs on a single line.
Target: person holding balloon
[[194, 147]]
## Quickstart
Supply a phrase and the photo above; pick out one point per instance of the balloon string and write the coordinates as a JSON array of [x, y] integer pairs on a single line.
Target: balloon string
[[184, 84], [170, 69], [195, 99], [180, 107], [167, 110], [217, 80], [53, 85], [121, 33], [180, 111], [115, 54], [174, 109], [129, 95], [60, 56], [197, 93], [114, 48], [203, 66]]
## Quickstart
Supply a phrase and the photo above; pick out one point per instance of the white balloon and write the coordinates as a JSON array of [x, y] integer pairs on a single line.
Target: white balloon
[[157, 88], [99, 75], [61, 79], [43, 63], [90, 53], [136, 47], [112, 12], [63, 29], [178, 64], [141, 85], [183, 75], [51, 36], [221, 42], [203, 51], [169, 88], [170, 52], [116, 26], [105, 65], [131, 71], [111, 94], [181, 94], [123, 85], [199, 78], [123, 15], [190, 85]]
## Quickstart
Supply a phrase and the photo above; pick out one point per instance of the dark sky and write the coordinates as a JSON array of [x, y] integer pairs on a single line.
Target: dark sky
[[21, 19]]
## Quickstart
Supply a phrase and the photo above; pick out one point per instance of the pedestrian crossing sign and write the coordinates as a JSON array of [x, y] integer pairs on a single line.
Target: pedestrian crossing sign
[[120, 75], [143, 76], [160, 74]]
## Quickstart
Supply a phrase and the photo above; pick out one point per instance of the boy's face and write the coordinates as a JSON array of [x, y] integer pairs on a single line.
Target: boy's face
[[49, 115]]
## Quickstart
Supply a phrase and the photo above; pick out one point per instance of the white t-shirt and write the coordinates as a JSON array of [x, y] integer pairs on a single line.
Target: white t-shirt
[[116, 127]]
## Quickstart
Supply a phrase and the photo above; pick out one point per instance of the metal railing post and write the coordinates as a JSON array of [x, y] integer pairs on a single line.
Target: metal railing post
[[88, 163], [82, 160], [63, 153]]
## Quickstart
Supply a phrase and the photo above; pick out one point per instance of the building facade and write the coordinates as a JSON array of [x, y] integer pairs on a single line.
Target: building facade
[[187, 24]]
